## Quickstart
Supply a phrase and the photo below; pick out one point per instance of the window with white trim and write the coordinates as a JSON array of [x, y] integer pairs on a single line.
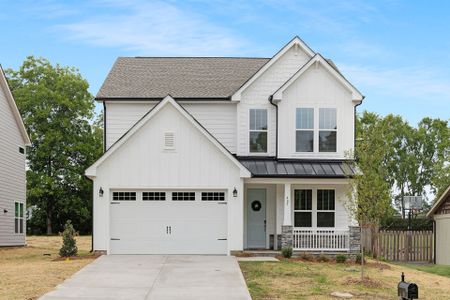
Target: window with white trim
[[153, 196], [327, 130], [303, 208], [308, 130], [304, 135], [183, 196], [213, 196], [18, 218], [124, 196], [258, 131], [325, 208]]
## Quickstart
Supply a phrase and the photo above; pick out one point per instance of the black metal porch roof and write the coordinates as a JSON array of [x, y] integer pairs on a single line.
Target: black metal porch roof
[[292, 168]]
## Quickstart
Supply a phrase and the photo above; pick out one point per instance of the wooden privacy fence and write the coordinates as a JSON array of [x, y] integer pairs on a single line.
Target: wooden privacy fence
[[399, 245]]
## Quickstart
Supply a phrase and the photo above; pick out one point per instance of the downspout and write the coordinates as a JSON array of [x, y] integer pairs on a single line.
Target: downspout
[[276, 125]]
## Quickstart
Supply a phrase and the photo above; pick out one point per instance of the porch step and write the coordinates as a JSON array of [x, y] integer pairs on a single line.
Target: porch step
[[274, 253]]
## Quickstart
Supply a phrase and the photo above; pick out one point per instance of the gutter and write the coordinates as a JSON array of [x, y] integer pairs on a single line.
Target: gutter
[[276, 125]]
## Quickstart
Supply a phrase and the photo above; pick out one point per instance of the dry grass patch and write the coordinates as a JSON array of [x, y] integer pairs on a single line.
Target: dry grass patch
[[294, 279], [28, 272]]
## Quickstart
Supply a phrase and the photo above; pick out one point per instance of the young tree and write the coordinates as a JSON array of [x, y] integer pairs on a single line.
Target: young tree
[[69, 246], [57, 110]]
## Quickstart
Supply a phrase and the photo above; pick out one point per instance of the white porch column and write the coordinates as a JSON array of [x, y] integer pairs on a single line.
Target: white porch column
[[287, 229], [287, 211]]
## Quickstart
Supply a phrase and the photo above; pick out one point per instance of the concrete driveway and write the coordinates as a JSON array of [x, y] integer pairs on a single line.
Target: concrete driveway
[[155, 277]]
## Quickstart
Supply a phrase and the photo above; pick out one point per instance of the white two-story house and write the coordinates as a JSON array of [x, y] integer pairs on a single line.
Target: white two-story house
[[210, 155]]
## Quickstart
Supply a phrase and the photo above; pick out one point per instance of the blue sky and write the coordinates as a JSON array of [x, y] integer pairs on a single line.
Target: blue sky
[[397, 53]]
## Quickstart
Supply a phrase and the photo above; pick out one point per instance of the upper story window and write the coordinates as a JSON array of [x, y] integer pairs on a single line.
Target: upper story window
[[327, 129], [304, 136], [308, 130], [258, 130]]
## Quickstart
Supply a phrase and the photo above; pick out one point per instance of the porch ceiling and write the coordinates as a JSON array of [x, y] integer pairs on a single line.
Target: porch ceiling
[[276, 168]]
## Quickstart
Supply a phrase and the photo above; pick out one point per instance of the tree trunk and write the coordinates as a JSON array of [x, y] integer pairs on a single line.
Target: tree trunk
[[49, 219]]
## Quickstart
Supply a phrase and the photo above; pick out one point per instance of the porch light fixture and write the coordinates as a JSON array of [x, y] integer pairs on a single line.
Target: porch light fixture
[[5, 211], [100, 192], [235, 193]]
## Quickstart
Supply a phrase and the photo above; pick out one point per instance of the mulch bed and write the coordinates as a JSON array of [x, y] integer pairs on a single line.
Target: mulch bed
[[77, 257]]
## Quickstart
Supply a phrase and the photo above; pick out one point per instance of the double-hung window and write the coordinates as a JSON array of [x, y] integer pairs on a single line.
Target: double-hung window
[[18, 217], [325, 208], [303, 208], [327, 129], [258, 130], [308, 131], [304, 136]]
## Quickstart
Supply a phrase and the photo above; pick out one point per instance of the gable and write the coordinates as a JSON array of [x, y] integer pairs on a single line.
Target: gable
[[319, 63], [143, 143], [11, 113], [442, 205], [278, 69]]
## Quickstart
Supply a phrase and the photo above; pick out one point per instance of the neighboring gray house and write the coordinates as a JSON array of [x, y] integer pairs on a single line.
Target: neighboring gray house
[[440, 212], [13, 139]]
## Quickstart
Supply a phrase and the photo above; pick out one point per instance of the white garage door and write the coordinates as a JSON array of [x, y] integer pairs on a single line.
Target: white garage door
[[165, 222]]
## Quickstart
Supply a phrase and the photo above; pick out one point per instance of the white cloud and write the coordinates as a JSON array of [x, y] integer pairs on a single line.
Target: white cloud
[[152, 28], [426, 83]]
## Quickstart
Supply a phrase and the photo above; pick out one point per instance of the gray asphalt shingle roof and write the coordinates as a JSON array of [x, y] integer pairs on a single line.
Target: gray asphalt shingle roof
[[181, 77], [298, 168]]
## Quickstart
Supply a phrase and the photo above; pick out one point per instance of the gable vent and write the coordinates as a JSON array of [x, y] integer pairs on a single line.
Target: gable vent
[[169, 140]]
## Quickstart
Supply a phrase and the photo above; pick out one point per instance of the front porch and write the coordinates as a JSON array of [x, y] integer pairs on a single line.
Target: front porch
[[310, 215]]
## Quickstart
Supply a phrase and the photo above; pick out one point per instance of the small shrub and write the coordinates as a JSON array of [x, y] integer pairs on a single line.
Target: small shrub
[[323, 258], [341, 258], [287, 252], [306, 256], [358, 259], [69, 247]]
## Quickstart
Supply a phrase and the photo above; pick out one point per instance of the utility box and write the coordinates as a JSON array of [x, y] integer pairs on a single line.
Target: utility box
[[407, 290]]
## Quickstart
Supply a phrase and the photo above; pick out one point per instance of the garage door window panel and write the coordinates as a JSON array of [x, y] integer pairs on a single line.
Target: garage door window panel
[[153, 196], [183, 196], [213, 196], [124, 196]]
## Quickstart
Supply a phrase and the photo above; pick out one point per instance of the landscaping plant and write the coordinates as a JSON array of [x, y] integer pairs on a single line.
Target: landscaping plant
[[287, 252], [69, 247], [341, 258]]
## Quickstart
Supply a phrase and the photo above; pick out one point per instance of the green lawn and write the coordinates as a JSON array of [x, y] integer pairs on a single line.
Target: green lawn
[[433, 269], [294, 279]]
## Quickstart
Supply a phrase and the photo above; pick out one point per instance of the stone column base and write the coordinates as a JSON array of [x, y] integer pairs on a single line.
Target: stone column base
[[355, 239], [287, 235]]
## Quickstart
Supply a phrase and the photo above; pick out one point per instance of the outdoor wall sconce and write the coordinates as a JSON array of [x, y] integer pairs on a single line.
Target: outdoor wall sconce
[[100, 192], [234, 193], [5, 211]]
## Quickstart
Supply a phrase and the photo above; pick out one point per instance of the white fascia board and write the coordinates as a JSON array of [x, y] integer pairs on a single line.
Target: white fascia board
[[15, 110], [91, 171], [295, 41], [438, 203], [356, 95]]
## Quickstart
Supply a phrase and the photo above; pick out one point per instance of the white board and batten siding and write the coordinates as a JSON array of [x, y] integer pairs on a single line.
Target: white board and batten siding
[[218, 118], [194, 164], [12, 173], [316, 88]]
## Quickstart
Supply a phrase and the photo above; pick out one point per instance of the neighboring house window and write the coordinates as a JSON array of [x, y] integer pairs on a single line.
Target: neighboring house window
[[153, 196], [303, 208], [325, 208], [304, 136], [327, 129], [258, 130], [183, 196], [18, 220], [124, 196], [213, 196]]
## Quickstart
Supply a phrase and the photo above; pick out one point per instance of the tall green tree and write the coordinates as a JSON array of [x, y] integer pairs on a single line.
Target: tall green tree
[[57, 110]]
